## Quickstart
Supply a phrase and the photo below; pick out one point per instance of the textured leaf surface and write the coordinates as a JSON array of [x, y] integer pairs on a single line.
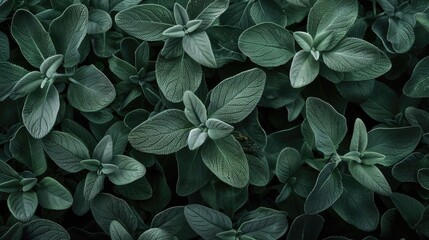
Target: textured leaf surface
[[206, 221], [267, 44], [34, 41], [235, 97], [226, 159], [65, 150], [40, 111], [91, 90], [67, 32], [164, 133]]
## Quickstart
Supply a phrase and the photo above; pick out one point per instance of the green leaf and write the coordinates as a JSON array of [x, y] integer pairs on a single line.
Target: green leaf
[[94, 184], [382, 104], [67, 32], [4, 47], [137, 190], [418, 85], [234, 98], [394, 143], [75, 129], [172, 220], [360, 137], [206, 221], [14, 232], [175, 31], [104, 150], [207, 11], [178, 75], [306, 227], [304, 40], [409, 208], [351, 54], [401, 34], [40, 229], [65, 150], [226, 159], [423, 178], [7, 173], [288, 163], [80, 204], [195, 110], [99, 21], [33, 157], [165, 133], [121, 68], [50, 65], [370, 177], [193, 174], [180, 15], [196, 138], [118, 232], [34, 41], [11, 73], [90, 90], [270, 227], [105, 208], [329, 126], [11, 186], [22, 205], [53, 195], [146, 21], [304, 69], [129, 170], [268, 11], [259, 170], [155, 234], [267, 44], [27, 84], [197, 45], [332, 15], [106, 44], [326, 192], [407, 169], [356, 206], [40, 111], [218, 129]]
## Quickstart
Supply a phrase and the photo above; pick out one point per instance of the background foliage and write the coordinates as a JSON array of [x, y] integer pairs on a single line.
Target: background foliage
[[223, 119]]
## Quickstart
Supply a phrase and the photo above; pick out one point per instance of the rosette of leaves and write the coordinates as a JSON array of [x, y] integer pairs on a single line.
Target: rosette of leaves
[[395, 28], [119, 169], [324, 129], [89, 89], [186, 43], [135, 72], [325, 47], [26, 193], [261, 223], [207, 131]]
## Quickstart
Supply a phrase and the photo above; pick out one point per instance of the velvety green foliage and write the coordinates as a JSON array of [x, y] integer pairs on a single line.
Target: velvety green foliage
[[218, 120]]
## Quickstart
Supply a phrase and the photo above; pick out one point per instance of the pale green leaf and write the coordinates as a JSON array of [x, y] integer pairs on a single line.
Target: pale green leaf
[[164, 133]]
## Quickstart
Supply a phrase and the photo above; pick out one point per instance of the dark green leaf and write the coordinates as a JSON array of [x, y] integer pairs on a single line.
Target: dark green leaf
[[90, 90], [40, 110], [52, 195], [146, 22], [65, 150], [327, 190], [67, 32], [206, 222], [226, 159], [34, 41]]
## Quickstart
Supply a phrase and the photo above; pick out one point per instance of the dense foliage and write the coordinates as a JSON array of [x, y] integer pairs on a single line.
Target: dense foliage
[[221, 119]]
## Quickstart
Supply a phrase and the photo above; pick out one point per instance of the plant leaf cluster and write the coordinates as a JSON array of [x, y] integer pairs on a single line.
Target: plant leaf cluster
[[223, 119]]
